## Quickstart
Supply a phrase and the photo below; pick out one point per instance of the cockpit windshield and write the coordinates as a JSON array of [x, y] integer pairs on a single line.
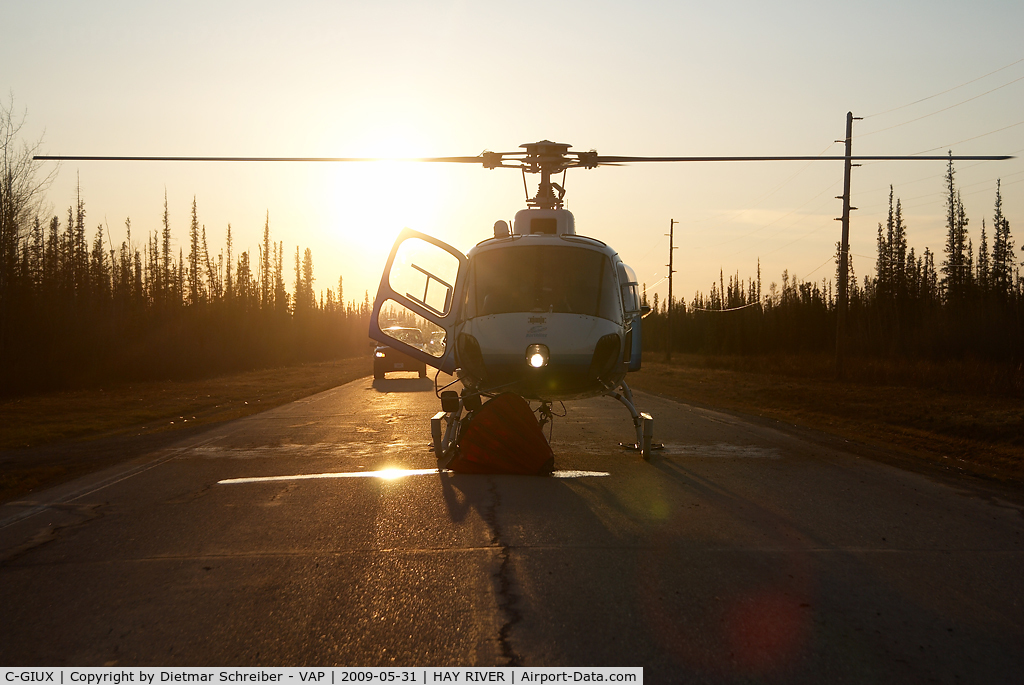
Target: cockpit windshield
[[542, 278]]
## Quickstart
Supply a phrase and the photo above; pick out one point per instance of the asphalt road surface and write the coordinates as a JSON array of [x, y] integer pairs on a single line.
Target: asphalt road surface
[[740, 553]]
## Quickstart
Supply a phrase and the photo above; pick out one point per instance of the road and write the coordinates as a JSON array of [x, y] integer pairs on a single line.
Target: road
[[740, 553]]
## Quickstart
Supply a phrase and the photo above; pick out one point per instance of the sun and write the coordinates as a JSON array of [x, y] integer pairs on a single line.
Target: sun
[[355, 211]]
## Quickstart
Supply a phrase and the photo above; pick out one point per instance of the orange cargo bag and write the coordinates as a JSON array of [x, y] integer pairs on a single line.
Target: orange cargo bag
[[503, 436]]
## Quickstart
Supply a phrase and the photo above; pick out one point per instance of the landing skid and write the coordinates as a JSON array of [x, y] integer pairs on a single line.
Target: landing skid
[[446, 426], [642, 421], [444, 429]]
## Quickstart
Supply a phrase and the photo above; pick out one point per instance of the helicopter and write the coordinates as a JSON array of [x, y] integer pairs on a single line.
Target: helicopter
[[535, 310]]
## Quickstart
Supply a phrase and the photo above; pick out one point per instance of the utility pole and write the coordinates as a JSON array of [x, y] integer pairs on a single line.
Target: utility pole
[[671, 248], [844, 249]]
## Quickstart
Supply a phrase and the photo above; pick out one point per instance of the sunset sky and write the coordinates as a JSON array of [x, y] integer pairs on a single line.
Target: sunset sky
[[455, 78]]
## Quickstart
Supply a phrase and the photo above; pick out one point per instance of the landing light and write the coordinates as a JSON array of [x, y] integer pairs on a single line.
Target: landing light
[[537, 356], [378, 354]]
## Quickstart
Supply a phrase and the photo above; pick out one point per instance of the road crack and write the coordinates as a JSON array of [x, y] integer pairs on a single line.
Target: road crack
[[88, 512], [507, 599]]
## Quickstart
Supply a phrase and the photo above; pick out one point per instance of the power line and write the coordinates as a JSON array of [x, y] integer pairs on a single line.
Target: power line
[[950, 144], [986, 184], [962, 102], [658, 282], [730, 309], [932, 176], [830, 259], [948, 90]]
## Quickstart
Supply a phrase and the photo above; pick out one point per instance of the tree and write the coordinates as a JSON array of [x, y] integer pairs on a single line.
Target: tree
[[79, 253], [244, 287], [307, 278], [884, 259], [898, 250], [956, 269], [229, 286], [21, 191], [212, 276], [194, 286], [280, 294], [164, 273], [1002, 250], [265, 266], [984, 267], [98, 268], [179, 290], [300, 300], [929, 278]]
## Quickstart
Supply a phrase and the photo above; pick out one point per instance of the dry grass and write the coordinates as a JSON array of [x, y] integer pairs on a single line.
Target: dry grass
[[146, 407], [48, 438], [967, 417]]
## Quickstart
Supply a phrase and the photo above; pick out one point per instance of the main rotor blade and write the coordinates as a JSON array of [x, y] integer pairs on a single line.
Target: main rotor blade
[[107, 158], [604, 159]]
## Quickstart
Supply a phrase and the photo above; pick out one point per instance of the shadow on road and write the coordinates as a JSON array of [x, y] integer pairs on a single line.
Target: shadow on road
[[403, 385]]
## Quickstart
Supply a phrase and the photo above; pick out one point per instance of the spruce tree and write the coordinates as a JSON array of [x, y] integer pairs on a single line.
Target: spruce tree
[[899, 252], [179, 280], [79, 250], [51, 261], [299, 292], [983, 261], [194, 287], [280, 293], [307, 278], [265, 266], [955, 268], [212, 282], [1002, 250], [165, 279], [229, 286]]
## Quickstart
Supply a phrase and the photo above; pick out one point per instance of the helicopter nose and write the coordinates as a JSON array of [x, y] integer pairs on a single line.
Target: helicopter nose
[[537, 355]]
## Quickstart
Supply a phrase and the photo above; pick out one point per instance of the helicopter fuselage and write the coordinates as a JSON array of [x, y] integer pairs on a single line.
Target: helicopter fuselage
[[557, 295], [537, 310]]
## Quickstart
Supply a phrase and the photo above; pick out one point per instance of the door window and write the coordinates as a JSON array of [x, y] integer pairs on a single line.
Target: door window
[[425, 274]]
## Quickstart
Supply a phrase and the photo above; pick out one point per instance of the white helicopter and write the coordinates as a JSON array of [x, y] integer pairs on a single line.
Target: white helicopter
[[535, 310]]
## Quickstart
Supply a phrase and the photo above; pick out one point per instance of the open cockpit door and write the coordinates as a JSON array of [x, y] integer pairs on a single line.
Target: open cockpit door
[[420, 290]]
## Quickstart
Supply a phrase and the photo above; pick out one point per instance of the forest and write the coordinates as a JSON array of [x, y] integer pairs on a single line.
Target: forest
[[962, 302], [77, 310]]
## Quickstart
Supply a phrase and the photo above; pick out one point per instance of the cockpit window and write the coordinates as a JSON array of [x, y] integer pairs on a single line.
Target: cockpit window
[[542, 278]]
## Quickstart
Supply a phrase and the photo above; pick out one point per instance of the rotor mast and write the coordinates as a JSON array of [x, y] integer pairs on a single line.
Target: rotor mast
[[546, 158]]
